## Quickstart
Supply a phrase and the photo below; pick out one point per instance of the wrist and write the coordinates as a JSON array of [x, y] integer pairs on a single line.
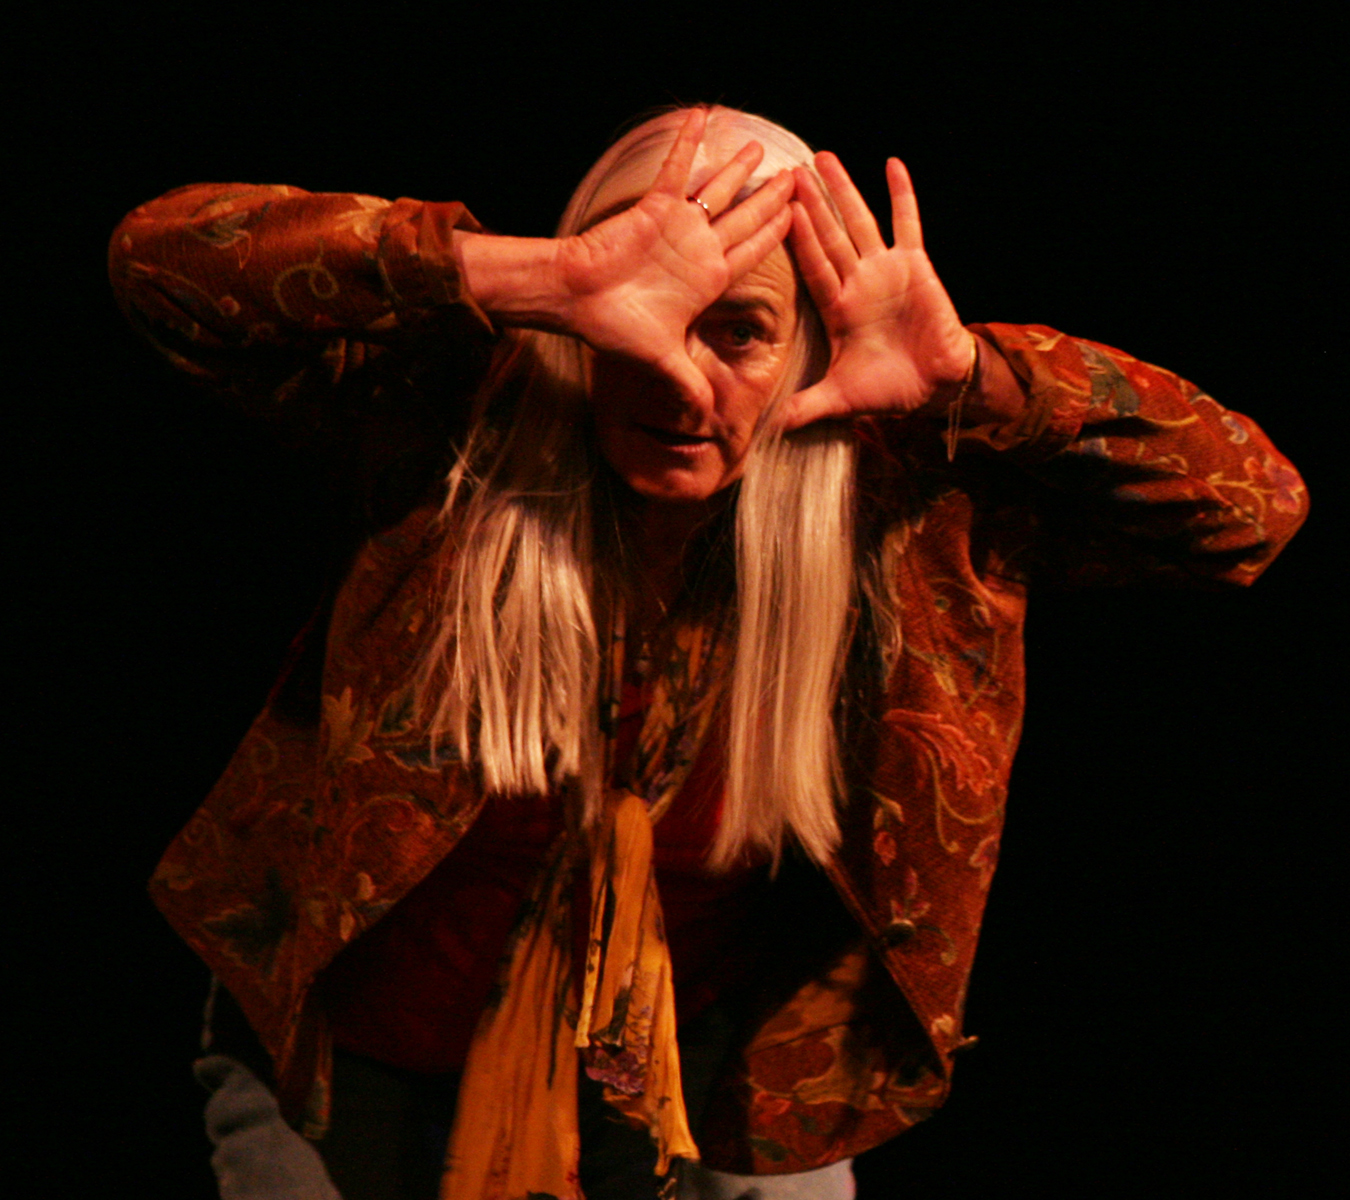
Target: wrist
[[968, 384], [989, 393], [998, 397], [514, 280], [956, 380]]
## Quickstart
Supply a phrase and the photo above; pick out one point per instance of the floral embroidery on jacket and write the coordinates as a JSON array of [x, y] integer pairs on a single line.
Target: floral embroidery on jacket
[[1116, 471]]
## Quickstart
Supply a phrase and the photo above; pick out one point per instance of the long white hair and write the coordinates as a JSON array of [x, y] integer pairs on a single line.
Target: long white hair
[[511, 673]]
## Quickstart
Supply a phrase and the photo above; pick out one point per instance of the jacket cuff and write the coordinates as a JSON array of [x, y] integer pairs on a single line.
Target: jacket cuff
[[1055, 378], [417, 258]]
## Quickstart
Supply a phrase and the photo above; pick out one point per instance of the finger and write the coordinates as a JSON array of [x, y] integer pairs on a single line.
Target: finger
[[858, 218], [821, 402], [674, 173], [746, 256], [904, 207], [822, 280], [721, 189], [833, 240], [755, 211]]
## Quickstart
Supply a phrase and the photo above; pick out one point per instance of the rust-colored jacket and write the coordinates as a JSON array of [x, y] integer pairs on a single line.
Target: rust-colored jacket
[[341, 317]]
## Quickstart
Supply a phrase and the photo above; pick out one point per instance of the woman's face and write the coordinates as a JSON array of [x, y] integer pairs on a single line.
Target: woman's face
[[667, 446]]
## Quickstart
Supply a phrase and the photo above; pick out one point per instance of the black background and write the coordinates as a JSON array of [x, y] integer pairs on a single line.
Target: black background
[[1154, 991]]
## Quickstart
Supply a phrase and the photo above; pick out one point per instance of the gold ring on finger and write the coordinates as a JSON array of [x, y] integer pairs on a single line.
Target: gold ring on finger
[[695, 200]]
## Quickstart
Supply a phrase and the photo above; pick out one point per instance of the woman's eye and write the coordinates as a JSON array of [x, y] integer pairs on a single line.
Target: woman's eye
[[740, 334], [733, 335]]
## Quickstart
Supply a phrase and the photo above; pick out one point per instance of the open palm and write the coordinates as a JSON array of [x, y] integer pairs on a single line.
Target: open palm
[[895, 338], [637, 281]]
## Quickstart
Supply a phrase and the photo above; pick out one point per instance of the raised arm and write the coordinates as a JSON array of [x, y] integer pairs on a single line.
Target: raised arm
[[337, 321], [236, 283], [1122, 470], [219, 276], [1133, 473]]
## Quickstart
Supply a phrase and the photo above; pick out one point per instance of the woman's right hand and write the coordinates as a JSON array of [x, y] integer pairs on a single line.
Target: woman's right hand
[[633, 284]]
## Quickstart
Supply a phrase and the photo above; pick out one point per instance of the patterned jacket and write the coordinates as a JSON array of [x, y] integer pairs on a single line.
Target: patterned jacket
[[340, 318]]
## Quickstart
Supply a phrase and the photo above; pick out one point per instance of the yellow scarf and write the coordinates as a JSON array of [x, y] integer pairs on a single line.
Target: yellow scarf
[[515, 1134]]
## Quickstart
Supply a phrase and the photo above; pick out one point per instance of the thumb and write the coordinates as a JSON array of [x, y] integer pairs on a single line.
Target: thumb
[[817, 403], [691, 384]]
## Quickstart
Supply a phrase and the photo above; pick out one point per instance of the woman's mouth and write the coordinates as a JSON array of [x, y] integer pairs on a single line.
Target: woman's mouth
[[674, 439]]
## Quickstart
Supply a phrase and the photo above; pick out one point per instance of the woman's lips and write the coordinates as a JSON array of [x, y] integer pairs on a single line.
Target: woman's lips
[[674, 439]]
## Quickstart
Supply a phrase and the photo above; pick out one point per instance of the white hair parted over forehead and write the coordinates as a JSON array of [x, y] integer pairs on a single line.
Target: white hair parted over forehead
[[794, 528], [629, 167], [510, 675]]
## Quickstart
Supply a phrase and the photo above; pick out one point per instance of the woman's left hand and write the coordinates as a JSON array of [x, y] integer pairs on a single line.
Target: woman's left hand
[[895, 339]]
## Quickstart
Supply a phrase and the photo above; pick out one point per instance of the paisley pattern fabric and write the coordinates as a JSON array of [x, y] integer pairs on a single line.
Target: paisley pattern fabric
[[340, 319]]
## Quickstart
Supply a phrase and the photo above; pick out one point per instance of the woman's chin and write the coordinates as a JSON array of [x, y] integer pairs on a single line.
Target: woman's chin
[[676, 478], [677, 487]]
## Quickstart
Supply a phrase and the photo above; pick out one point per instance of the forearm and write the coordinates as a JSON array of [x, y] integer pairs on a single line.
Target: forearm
[[338, 320], [515, 281], [1144, 465], [215, 267]]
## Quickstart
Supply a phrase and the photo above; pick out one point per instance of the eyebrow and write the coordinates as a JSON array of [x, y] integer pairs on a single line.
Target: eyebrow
[[743, 304]]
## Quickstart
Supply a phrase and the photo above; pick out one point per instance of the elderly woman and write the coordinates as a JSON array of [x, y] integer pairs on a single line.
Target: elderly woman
[[624, 820]]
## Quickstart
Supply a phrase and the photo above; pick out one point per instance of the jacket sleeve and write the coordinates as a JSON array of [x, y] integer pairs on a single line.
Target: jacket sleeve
[[278, 296], [339, 321], [1126, 472]]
